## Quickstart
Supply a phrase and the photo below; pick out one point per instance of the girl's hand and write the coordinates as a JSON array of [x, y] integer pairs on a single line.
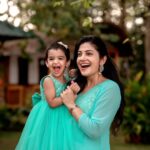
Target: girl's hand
[[72, 73], [68, 98], [74, 87]]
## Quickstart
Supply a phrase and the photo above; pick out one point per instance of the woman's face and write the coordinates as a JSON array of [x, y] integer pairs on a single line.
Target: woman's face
[[88, 60]]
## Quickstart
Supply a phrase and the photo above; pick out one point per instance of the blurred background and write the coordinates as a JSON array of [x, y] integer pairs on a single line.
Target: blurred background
[[27, 27]]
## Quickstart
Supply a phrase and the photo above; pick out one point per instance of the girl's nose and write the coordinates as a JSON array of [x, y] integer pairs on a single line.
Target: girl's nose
[[55, 60]]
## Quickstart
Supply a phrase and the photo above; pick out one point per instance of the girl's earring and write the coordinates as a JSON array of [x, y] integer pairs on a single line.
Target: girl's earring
[[101, 69]]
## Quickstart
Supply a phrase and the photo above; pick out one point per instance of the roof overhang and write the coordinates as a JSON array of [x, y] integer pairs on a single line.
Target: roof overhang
[[10, 32]]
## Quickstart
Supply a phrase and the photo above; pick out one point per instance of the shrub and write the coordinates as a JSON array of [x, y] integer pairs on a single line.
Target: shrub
[[13, 119], [136, 125]]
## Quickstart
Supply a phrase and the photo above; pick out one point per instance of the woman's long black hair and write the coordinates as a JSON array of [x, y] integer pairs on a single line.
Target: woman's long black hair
[[109, 72]]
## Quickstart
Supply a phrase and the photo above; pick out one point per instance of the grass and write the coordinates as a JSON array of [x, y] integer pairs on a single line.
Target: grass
[[8, 141], [117, 143]]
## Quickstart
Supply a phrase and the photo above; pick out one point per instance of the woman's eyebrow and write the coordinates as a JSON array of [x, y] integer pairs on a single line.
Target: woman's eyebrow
[[88, 50]]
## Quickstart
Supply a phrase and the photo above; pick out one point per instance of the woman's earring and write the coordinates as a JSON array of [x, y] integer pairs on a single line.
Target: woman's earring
[[66, 73], [101, 69]]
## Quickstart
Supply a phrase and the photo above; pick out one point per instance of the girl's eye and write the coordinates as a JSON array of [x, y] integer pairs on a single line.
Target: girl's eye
[[61, 58], [50, 58]]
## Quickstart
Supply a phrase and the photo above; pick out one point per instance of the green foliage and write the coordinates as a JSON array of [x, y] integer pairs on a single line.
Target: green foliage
[[12, 119], [136, 125], [84, 3], [58, 18], [137, 62]]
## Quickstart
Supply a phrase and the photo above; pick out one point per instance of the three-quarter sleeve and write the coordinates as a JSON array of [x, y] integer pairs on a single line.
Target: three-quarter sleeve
[[104, 109]]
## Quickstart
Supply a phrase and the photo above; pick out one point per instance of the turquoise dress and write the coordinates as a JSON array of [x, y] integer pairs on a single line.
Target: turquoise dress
[[99, 104], [46, 127]]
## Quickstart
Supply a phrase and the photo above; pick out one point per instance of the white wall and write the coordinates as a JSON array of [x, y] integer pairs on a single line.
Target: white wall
[[13, 70], [33, 71]]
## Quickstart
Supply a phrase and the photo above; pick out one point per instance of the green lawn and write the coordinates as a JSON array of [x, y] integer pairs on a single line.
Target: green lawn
[[117, 143], [8, 141]]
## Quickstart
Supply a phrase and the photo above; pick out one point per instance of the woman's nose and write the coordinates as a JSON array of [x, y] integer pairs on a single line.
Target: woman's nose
[[82, 57]]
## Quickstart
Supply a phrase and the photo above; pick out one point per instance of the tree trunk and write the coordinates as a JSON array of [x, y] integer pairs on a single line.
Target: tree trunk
[[147, 45], [123, 14]]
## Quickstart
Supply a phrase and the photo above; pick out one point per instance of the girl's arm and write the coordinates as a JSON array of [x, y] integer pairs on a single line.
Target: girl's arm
[[50, 93]]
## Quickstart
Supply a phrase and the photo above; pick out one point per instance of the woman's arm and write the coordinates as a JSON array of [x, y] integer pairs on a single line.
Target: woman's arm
[[103, 113], [104, 110]]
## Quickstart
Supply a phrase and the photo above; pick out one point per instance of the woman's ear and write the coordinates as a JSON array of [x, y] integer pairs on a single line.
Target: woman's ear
[[103, 60]]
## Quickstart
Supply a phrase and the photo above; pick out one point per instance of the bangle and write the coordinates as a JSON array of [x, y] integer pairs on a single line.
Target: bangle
[[72, 108]]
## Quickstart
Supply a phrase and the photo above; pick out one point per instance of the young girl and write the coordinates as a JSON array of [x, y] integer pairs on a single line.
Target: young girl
[[45, 128]]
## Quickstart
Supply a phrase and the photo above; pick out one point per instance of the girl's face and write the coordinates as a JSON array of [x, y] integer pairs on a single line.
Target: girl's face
[[56, 62], [89, 60]]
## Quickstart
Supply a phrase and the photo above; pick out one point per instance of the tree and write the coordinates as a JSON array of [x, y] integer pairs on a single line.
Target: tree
[[62, 17], [147, 42]]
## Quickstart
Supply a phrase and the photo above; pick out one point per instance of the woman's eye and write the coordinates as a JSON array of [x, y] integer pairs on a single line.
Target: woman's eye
[[79, 54], [89, 54]]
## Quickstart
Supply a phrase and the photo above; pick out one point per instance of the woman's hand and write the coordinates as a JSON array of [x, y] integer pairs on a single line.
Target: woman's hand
[[68, 98]]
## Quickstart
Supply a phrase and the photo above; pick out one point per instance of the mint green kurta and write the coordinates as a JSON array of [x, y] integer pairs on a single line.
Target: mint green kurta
[[99, 104], [46, 128]]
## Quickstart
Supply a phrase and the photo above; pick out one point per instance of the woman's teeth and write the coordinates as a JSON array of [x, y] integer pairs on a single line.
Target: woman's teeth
[[85, 65]]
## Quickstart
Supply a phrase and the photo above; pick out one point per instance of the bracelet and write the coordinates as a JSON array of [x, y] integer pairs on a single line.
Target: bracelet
[[71, 109]]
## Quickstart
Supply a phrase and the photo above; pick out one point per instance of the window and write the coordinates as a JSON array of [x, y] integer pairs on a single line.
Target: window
[[23, 71], [42, 68]]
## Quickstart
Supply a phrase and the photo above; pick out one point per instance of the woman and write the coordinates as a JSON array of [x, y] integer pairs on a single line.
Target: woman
[[99, 105]]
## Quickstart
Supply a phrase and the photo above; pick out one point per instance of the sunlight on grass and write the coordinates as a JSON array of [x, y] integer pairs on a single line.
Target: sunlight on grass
[[118, 143], [8, 141]]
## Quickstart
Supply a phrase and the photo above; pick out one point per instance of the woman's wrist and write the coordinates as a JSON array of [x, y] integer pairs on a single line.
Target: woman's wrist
[[69, 105], [71, 109], [76, 112]]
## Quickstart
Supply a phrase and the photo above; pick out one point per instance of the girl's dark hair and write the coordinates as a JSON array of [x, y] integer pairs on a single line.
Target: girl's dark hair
[[109, 72], [58, 45]]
